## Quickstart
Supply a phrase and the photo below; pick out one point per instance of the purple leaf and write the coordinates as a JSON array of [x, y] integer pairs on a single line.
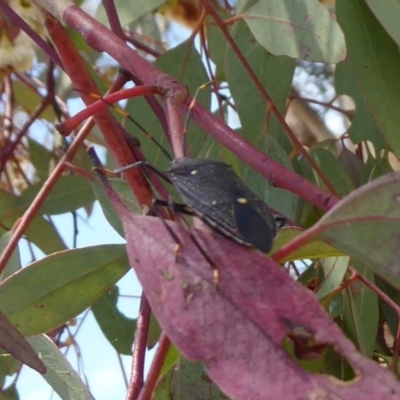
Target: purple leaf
[[13, 342], [236, 327]]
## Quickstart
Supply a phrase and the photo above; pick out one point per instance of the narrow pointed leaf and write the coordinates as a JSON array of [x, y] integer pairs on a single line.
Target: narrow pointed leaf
[[374, 58], [300, 29], [361, 313], [69, 194], [12, 341], [387, 13], [60, 374], [236, 327], [60, 286], [366, 226], [117, 328], [313, 250]]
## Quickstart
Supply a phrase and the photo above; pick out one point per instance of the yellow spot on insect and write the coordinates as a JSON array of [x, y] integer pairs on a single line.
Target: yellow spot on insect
[[242, 200], [216, 277], [194, 172]]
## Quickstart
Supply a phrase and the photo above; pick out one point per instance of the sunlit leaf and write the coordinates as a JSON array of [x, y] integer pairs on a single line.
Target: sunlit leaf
[[60, 375], [302, 29], [12, 341], [117, 328], [69, 194], [366, 226], [374, 59], [60, 286]]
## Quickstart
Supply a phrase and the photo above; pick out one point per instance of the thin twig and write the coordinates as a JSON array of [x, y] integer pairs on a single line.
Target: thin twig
[[139, 352], [155, 369]]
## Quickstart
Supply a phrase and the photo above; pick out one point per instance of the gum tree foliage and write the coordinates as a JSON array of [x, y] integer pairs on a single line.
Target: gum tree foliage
[[319, 314]]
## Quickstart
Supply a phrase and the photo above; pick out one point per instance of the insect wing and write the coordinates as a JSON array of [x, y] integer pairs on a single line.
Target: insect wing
[[255, 227], [221, 199]]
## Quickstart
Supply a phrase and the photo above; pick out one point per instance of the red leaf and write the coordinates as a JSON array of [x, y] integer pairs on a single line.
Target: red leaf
[[237, 327], [13, 342]]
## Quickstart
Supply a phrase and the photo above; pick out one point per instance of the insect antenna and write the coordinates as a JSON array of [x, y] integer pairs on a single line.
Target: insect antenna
[[190, 108], [126, 115]]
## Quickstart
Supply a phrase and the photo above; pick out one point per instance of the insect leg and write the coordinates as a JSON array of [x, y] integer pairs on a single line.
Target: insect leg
[[178, 209], [154, 208], [280, 220]]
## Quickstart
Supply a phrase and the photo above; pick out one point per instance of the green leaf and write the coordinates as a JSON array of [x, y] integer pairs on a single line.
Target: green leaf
[[40, 158], [187, 380], [217, 46], [117, 328], [8, 366], [60, 286], [361, 313], [69, 194], [388, 15], [125, 193], [14, 262], [300, 29], [184, 63], [274, 73], [154, 333], [129, 11], [366, 226], [335, 269], [40, 231], [332, 170], [7, 201], [10, 393], [374, 58], [43, 234], [363, 127], [353, 165], [313, 250], [171, 360], [29, 100], [190, 379], [14, 343], [163, 388], [60, 375]]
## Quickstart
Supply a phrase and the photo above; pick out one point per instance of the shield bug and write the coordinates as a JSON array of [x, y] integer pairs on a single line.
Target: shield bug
[[221, 199], [212, 191]]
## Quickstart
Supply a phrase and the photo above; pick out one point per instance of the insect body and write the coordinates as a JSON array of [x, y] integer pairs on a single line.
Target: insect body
[[213, 192], [219, 197]]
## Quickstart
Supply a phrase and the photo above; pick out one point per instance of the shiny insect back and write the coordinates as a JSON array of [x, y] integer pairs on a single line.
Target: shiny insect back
[[221, 199], [211, 190]]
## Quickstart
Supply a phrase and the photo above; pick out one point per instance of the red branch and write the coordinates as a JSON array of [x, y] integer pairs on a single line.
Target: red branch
[[102, 39], [103, 103], [156, 366], [139, 353]]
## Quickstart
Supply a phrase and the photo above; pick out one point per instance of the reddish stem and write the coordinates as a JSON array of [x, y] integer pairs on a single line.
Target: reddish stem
[[112, 131], [12, 145], [396, 308], [155, 369], [265, 95], [347, 113], [298, 242], [103, 103], [112, 14], [396, 350], [99, 37], [173, 100], [139, 352], [39, 200]]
